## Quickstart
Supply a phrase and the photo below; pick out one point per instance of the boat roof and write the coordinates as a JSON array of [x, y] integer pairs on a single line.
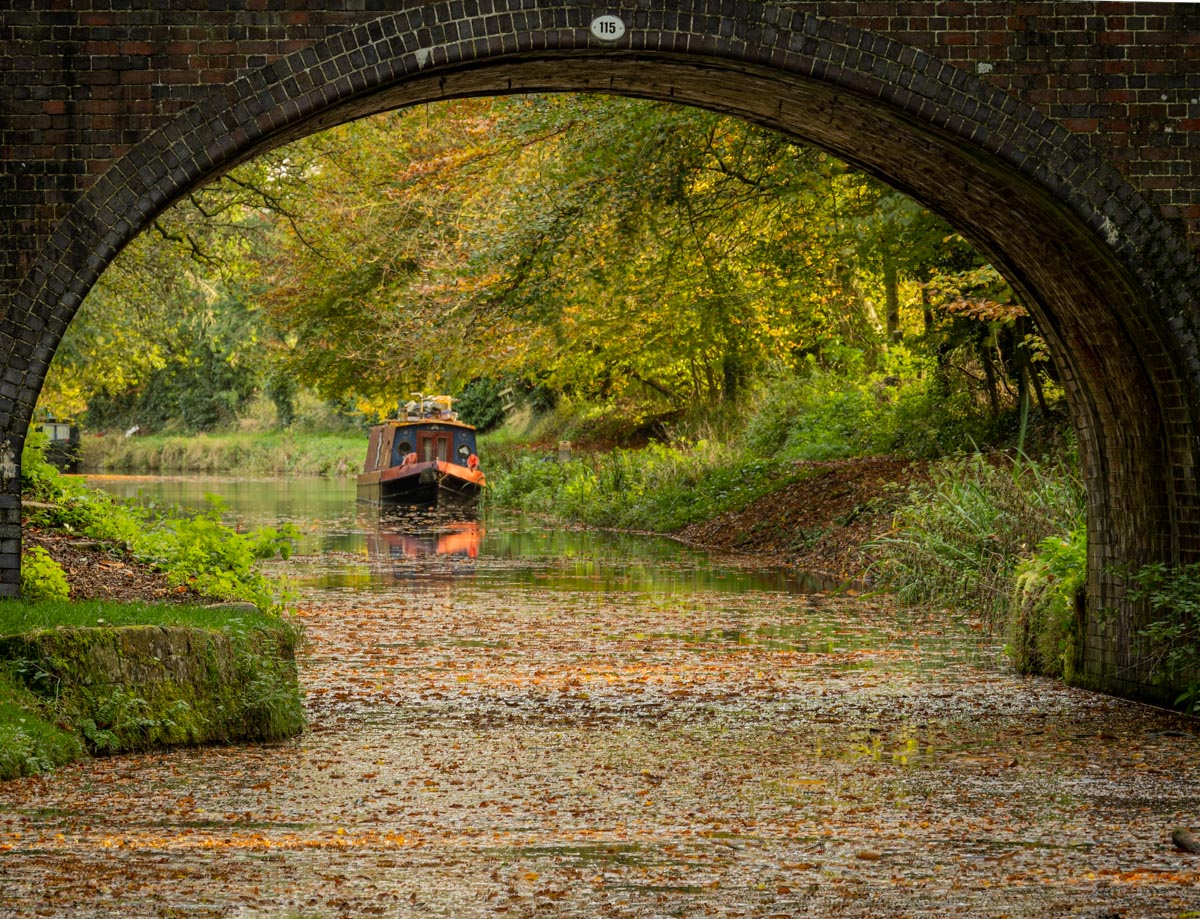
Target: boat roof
[[433, 419]]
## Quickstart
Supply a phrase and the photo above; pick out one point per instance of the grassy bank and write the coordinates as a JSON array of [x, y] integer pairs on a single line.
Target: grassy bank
[[694, 469], [78, 678], [659, 488], [274, 453]]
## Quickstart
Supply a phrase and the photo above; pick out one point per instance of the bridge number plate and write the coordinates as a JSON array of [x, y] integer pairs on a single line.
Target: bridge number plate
[[608, 28]]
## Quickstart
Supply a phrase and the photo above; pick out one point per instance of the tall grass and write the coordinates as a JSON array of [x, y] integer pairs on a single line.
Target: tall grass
[[959, 539], [276, 453]]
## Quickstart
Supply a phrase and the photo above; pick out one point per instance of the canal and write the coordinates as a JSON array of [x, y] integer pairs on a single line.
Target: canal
[[509, 718]]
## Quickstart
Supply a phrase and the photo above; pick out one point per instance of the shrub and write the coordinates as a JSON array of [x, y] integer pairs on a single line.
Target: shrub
[[1171, 640], [479, 403], [42, 578], [199, 551], [617, 421]]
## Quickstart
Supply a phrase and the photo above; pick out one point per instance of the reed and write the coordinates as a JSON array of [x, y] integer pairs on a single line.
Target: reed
[[959, 539]]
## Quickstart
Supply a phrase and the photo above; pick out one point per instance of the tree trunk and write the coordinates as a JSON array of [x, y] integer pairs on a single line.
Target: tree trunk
[[1036, 379], [1026, 363], [891, 290], [732, 376], [989, 372]]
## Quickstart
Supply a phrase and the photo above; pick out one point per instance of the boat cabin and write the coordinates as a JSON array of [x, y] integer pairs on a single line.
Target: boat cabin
[[63, 443], [393, 441]]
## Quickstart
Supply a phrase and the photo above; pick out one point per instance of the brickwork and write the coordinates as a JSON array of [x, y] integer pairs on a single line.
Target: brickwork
[[1060, 137]]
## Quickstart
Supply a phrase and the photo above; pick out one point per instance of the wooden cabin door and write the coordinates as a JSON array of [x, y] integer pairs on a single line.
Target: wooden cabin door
[[435, 445]]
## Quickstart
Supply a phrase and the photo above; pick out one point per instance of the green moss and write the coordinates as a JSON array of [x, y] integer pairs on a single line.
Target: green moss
[[1048, 610], [116, 689]]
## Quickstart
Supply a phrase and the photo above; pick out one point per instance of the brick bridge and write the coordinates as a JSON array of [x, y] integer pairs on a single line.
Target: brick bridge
[[1062, 138]]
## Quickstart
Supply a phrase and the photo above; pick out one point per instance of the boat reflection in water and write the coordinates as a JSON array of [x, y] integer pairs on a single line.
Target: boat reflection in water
[[397, 535]]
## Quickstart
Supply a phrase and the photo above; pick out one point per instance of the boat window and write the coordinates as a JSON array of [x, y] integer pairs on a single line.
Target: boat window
[[443, 448], [463, 451], [405, 448]]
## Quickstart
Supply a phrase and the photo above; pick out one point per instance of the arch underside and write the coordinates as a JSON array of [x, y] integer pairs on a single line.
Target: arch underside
[[1132, 397]]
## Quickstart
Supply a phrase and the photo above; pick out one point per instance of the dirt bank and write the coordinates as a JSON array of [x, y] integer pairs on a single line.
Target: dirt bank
[[821, 522], [103, 571]]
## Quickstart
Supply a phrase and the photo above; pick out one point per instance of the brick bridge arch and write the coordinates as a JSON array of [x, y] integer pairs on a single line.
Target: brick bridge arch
[[1110, 278]]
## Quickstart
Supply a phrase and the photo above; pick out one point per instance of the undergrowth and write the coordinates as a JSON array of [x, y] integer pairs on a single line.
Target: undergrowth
[[694, 470], [659, 488], [959, 538], [196, 550], [824, 415]]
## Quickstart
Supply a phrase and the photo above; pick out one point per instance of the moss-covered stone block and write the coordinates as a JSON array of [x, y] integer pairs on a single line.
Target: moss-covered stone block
[[137, 687]]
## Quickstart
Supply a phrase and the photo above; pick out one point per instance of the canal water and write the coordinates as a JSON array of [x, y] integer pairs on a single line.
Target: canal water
[[508, 718]]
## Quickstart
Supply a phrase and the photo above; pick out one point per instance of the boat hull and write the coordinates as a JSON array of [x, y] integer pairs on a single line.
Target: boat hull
[[429, 484]]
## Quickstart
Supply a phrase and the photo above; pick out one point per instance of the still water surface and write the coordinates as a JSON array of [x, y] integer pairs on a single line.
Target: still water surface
[[331, 522], [511, 719]]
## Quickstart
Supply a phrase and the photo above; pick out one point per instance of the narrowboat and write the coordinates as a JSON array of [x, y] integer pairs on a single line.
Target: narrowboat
[[424, 456]]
